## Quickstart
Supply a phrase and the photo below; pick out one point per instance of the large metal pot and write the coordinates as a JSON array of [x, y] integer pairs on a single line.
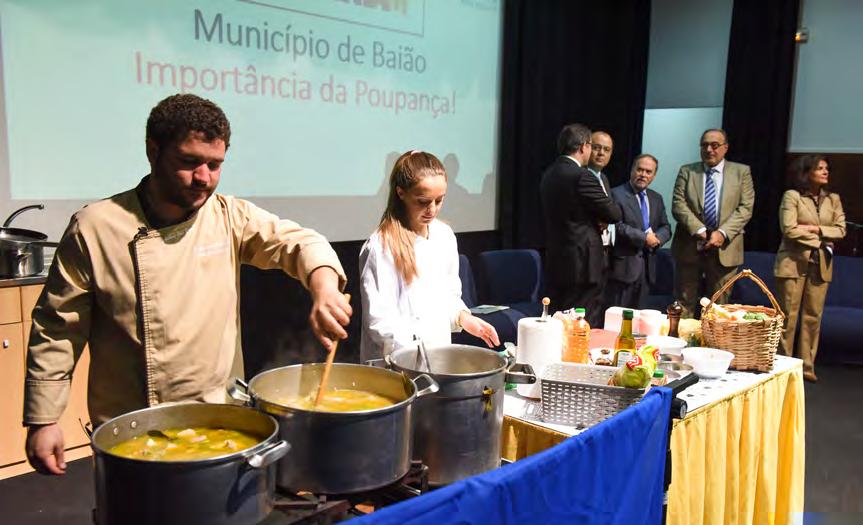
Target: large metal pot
[[21, 251], [232, 489], [457, 430], [339, 452]]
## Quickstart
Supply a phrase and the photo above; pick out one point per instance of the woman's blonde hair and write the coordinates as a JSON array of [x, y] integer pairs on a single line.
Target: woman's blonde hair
[[394, 229]]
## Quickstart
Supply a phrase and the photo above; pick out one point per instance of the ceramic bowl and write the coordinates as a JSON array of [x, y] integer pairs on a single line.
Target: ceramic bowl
[[708, 363], [667, 345]]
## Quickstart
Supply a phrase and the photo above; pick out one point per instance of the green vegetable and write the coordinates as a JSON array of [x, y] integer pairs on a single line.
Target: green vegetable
[[633, 374], [755, 316]]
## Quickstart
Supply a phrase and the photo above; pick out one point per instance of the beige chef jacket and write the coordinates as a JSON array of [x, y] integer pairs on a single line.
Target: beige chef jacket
[[159, 308]]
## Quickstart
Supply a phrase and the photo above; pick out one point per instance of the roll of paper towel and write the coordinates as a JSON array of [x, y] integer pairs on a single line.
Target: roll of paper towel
[[539, 345]]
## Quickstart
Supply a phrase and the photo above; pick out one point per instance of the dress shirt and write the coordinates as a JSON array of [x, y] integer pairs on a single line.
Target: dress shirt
[[429, 308], [608, 233]]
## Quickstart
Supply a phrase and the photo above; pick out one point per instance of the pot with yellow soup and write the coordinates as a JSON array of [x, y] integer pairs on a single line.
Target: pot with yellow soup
[[186, 463], [359, 438]]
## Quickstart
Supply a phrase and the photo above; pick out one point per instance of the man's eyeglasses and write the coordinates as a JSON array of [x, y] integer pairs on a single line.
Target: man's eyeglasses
[[712, 145], [600, 147]]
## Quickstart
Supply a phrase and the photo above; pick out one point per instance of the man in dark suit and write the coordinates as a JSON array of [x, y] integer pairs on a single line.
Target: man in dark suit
[[574, 206], [601, 147], [643, 230]]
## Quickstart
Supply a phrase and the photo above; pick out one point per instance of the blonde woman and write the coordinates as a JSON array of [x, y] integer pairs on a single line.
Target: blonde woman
[[811, 219], [409, 267]]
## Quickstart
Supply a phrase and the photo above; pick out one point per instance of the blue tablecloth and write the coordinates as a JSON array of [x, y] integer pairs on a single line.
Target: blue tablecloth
[[611, 473]]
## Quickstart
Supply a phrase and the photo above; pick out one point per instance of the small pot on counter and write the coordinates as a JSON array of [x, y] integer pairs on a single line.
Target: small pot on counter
[[233, 489], [457, 430], [338, 452], [21, 251]]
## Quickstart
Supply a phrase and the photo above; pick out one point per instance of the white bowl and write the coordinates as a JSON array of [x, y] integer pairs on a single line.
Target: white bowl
[[708, 363], [666, 344]]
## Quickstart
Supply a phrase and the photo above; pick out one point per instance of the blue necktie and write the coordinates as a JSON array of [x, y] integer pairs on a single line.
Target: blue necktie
[[645, 217], [710, 218]]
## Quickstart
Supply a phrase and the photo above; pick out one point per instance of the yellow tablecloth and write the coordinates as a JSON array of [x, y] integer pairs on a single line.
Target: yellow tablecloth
[[739, 460]]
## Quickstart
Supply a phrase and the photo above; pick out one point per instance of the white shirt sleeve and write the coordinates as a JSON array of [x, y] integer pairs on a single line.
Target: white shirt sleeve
[[380, 288], [453, 284]]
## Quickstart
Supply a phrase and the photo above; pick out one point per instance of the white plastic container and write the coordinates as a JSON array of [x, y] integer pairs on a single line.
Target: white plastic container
[[649, 322], [708, 363], [614, 318]]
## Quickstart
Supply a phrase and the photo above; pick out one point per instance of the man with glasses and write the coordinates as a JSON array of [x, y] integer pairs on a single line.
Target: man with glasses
[[712, 203], [601, 147], [573, 204]]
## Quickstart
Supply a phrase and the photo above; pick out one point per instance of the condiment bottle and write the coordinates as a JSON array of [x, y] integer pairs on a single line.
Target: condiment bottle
[[674, 311], [577, 347], [658, 378], [624, 346]]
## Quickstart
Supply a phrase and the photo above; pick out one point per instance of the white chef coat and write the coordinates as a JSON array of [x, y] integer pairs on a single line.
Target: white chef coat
[[429, 308]]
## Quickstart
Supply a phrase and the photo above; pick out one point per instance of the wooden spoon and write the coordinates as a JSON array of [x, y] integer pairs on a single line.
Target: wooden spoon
[[328, 366]]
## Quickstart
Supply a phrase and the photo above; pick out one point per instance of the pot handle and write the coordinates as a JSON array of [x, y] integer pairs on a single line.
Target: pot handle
[[379, 363], [430, 388], [86, 427], [239, 390], [44, 244], [269, 455], [520, 373]]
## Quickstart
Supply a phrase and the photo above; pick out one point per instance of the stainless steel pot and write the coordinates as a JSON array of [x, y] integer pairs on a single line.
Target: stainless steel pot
[[339, 452], [232, 489], [21, 251], [457, 431]]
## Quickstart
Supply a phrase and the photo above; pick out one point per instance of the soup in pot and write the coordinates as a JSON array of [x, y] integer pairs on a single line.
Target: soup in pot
[[185, 444], [339, 400]]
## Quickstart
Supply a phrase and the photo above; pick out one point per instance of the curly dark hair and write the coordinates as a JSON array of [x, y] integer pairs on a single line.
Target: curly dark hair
[[174, 117], [798, 172]]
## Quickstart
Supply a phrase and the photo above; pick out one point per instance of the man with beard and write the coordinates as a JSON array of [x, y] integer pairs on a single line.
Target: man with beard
[[149, 279], [643, 230]]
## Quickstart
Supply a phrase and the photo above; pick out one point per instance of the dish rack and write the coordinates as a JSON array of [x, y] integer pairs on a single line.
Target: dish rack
[[579, 395]]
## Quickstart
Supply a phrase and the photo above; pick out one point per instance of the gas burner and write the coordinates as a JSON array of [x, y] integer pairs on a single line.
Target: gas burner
[[309, 509]]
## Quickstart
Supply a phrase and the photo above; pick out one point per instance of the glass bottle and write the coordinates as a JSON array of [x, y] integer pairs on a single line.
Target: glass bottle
[[624, 347]]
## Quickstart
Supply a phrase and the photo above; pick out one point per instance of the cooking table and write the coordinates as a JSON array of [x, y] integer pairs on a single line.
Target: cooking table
[[737, 457]]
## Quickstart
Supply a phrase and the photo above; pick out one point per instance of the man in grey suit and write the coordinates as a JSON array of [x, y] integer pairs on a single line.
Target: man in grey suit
[[643, 230], [712, 203]]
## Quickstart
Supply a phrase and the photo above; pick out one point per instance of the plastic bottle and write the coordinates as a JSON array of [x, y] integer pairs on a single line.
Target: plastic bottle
[[624, 347], [718, 311], [577, 347]]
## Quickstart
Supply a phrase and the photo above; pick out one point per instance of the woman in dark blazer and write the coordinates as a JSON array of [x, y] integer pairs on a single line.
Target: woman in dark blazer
[[811, 219]]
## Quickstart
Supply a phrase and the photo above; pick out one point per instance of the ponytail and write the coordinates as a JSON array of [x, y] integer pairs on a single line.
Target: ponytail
[[395, 234]]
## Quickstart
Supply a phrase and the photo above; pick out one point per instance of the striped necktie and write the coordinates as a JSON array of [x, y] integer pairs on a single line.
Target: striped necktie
[[710, 214]]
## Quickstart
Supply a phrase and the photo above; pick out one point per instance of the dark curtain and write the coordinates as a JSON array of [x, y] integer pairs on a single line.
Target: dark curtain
[[566, 61], [758, 90]]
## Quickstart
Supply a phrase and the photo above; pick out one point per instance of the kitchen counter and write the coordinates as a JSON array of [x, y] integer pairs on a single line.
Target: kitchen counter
[[24, 281]]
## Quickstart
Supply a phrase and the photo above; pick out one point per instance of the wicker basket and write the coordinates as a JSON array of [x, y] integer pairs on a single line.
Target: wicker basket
[[753, 343], [580, 396]]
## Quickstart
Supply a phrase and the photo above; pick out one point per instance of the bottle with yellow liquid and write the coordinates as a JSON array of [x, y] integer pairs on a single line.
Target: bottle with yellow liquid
[[577, 339], [624, 347]]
